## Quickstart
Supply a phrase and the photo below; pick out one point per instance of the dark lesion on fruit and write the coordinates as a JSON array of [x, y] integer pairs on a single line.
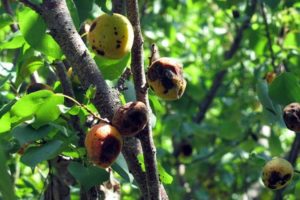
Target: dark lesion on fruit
[[164, 74], [111, 148], [100, 52], [291, 116], [276, 178], [93, 26], [118, 45]]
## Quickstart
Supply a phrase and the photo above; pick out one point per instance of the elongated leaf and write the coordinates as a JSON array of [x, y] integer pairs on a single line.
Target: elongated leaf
[[6, 185], [24, 133], [35, 155], [5, 124], [121, 168], [112, 69], [285, 89], [88, 176]]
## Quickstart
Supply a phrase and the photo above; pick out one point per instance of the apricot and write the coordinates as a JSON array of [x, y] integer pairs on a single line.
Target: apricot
[[111, 36], [165, 78], [131, 118], [103, 144], [277, 173]]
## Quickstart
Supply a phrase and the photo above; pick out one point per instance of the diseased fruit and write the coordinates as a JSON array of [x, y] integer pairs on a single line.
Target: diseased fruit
[[291, 116], [277, 173], [103, 144], [37, 86], [269, 77], [165, 78], [131, 118], [111, 36]]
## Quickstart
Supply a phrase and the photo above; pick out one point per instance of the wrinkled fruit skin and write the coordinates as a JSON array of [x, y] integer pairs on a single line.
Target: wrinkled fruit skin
[[131, 118], [111, 36], [277, 173], [103, 144], [165, 78], [291, 116]]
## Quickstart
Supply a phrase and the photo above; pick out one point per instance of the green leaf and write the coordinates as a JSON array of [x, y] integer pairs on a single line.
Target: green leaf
[[33, 29], [5, 20], [33, 101], [272, 110], [285, 89], [74, 14], [112, 69], [14, 43], [230, 130], [35, 155], [292, 40], [5, 108], [84, 8], [272, 3], [28, 67], [24, 133], [121, 168], [32, 26], [88, 176], [5, 123], [257, 160], [43, 106], [164, 177], [49, 111], [275, 145], [6, 185]]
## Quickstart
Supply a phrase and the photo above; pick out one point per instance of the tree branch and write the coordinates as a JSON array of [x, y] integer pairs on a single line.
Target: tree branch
[[58, 20], [14, 27], [31, 5], [155, 190], [218, 79], [268, 35]]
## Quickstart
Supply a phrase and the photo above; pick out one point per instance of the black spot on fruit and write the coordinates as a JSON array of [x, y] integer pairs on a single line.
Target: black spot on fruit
[[100, 52], [118, 46], [110, 149]]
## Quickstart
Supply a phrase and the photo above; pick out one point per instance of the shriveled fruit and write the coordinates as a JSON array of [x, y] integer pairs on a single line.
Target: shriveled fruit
[[103, 144], [165, 78], [277, 173], [291, 116], [111, 36], [131, 118]]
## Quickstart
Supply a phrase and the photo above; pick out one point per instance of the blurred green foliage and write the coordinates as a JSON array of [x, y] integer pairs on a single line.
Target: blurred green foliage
[[220, 158]]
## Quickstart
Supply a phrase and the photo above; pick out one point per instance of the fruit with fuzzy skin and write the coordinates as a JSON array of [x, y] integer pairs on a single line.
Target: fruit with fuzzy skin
[[291, 116], [111, 36], [103, 144], [131, 118], [165, 78], [277, 173]]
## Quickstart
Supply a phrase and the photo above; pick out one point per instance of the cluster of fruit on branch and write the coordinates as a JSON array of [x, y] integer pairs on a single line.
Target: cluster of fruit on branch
[[278, 172], [112, 36]]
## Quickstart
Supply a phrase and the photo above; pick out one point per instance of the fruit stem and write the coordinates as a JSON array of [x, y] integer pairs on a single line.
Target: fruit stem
[[84, 107]]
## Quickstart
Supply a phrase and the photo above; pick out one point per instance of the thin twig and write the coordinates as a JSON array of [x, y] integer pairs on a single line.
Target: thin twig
[[14, 27], [268, 35], [31, 5], [218, 79], [155, 190]]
